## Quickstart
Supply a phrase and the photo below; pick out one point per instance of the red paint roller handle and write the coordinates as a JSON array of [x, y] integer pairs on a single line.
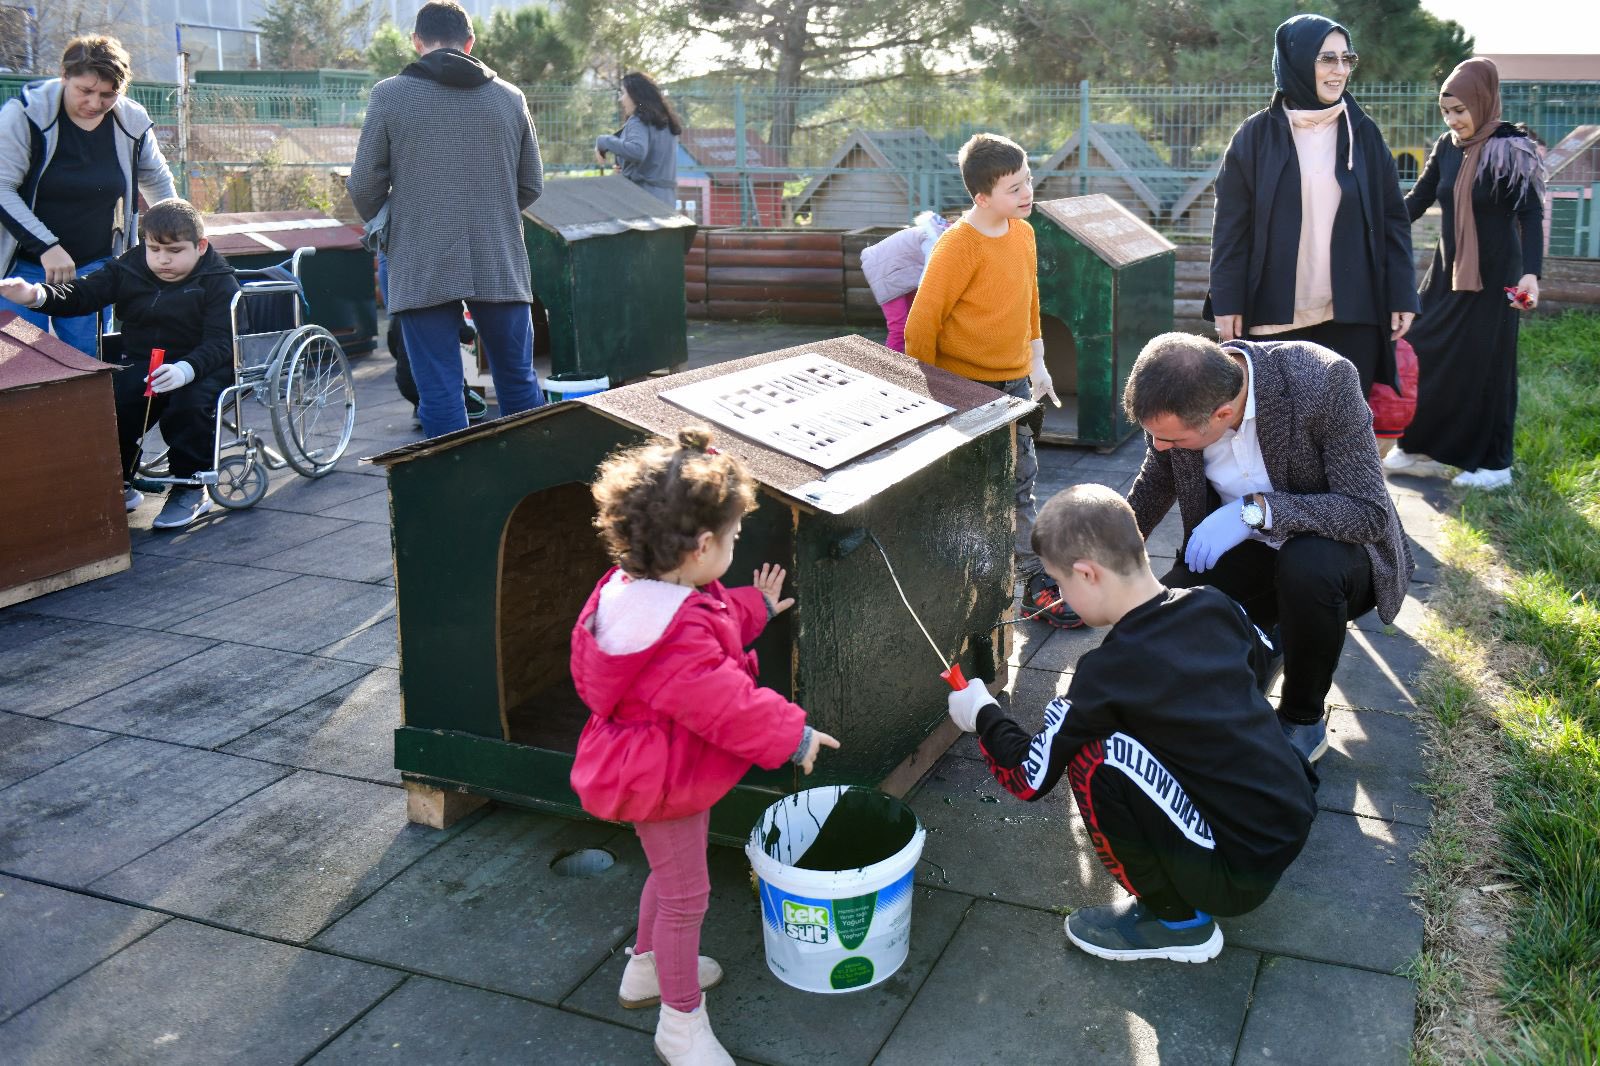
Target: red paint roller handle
[[157, 357], [954, 678]]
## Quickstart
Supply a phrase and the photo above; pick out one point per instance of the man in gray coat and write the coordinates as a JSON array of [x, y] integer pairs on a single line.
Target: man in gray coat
[[452, 150], [1267, 449]]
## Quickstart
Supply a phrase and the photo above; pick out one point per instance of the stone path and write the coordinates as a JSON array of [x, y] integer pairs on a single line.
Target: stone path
[[204, 855]]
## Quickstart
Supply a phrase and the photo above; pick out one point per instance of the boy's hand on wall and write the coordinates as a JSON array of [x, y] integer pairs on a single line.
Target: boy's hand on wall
[[965, 704], [769, 580], [819, 740], [171, 376], [25, 293]]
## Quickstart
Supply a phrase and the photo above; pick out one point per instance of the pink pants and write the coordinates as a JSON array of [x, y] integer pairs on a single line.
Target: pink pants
[[895, 312], [673, 904]]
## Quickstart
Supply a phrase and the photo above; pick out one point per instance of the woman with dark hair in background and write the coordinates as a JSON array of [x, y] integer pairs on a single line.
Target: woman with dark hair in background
[[74, 155], [1311, 240], [1488, 180], [646, 146]]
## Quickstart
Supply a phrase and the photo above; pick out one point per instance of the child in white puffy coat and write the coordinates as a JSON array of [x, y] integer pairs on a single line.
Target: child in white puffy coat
[[894, 269]]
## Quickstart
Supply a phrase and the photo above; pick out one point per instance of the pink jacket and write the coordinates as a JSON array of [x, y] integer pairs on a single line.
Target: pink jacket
[[675, 726]]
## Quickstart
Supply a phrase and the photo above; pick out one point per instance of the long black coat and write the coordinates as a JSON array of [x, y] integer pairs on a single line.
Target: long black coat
[[1255, 240]]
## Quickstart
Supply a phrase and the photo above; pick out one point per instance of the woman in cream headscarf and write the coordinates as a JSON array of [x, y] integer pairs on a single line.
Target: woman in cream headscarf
[[1486, 176]]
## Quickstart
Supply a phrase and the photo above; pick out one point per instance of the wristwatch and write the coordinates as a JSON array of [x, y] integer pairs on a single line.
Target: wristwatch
[[1251, 512]]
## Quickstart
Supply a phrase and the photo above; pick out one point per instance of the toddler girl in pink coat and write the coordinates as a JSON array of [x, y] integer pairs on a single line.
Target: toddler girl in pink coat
[[658, 655]]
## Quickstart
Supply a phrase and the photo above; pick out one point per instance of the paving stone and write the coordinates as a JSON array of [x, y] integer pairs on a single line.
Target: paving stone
[[82, 660], [376, 645], [756, 1014], [1165, 539], [1375, 670], [86, 817], [216, 696], [191, 994], [487, 909], [315, 495], [158, 592], [52, 936], [349, 731], [361, 551], [300, 615], [1010, 988], [1065, 647], [1409, 622], [373, 507], [1374, 766], [972, 821], [1344, 900], [20, 626], [31, 745], [232, 536], [428, 1021], [1027, 638], [284, 862], [1302, 1012]]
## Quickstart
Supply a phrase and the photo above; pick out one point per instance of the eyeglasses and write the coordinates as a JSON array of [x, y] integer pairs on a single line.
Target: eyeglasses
[[1332, 59]]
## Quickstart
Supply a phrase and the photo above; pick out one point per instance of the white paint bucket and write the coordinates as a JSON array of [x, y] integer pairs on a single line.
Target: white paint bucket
[[558, 388], [836, 930]]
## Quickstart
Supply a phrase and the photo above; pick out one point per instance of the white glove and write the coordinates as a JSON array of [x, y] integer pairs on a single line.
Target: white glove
[[965, 705], [23, 293], [1042, 385], [170, 376]]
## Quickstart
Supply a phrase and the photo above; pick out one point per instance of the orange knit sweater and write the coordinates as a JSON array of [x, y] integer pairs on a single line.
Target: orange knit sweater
[[977, 308]]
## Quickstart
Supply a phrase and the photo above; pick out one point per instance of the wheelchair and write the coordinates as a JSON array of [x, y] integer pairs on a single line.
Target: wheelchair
[[297, 371]]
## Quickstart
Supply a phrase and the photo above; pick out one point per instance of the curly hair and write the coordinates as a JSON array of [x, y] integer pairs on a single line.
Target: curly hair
[[654, 500]]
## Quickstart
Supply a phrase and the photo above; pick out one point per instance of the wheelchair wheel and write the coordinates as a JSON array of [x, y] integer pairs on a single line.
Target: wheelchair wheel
[[240, 483], [313, 400]]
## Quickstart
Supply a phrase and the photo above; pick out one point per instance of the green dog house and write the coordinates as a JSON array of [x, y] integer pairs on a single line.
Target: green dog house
[[607, 261], [495, 554], [1105, 288]]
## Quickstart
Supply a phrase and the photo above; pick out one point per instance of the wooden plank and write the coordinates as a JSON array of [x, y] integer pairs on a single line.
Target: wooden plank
[[811, 241], [733, 311], [78, 575], [1557, 268], [1572, 292], [1187, 309], [439, 808], [1194, 253], [695, 272], [831, 258], [773, 276], [694, 291], [855, 279], [760, 293]]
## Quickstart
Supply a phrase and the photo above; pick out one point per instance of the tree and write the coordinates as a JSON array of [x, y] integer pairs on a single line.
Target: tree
[[313, 34], [528, 46], [389, 51]]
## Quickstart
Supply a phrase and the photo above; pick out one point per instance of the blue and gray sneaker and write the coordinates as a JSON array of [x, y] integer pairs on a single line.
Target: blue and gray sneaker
[[1125, 931], [1309, 740]]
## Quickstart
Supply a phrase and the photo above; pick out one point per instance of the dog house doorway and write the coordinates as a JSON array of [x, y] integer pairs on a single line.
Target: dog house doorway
[[1061, 359], [550, 559]]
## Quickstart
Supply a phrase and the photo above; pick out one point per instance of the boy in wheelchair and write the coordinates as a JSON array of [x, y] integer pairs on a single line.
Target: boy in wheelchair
[[172, 292]]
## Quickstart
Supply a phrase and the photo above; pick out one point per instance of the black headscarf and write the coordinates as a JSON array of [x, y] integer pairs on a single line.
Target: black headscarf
[[1294, 58]]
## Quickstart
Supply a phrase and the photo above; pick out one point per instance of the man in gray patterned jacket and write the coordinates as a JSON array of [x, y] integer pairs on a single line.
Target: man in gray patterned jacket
[[452, 150], [1267, 449]]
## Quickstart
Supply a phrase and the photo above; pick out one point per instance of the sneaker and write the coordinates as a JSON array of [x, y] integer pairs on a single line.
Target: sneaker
[[131, 497], [1125, 931], [477, 405], [1482, 479], [1041, 599], [182, 507], [1309, 740], [1401, 462]]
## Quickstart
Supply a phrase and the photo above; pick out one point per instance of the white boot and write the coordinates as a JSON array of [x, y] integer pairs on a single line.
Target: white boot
[[687, 1040], [642, 988]]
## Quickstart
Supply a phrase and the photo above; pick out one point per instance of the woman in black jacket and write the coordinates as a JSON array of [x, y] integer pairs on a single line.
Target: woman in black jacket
[[1486, 176], [1311, 239]]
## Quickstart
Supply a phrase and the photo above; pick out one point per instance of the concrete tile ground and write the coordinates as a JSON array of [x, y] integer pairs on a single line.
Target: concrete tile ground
[[204, 857]]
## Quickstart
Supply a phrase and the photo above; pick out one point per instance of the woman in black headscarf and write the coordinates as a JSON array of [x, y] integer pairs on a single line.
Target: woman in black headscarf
[[1487, 178], [1311, 239]]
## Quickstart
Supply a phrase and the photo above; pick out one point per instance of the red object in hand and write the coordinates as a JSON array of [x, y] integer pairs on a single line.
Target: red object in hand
[[157, 357], [1518, 298], [954, 677]]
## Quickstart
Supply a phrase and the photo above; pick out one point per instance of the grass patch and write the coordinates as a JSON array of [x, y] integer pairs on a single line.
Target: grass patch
[[1515, 694]]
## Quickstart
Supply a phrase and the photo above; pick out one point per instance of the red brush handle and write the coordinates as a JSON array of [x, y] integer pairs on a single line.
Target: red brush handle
[[157, 357], [954, 678]]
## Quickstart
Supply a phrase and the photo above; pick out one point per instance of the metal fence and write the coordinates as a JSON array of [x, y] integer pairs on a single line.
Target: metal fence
[[796, 157]]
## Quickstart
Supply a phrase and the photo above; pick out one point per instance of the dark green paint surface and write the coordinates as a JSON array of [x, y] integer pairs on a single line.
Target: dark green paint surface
[[338, 284]]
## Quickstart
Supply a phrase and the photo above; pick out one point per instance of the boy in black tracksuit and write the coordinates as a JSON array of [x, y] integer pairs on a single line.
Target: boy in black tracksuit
[[171, 292], [1192, 796]]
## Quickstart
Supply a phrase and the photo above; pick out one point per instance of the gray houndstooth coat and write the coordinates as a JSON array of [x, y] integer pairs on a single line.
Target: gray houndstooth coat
[[1315, 431], [453, 151]]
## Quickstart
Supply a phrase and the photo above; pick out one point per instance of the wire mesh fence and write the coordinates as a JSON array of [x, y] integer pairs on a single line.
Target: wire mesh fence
[[841, 157]]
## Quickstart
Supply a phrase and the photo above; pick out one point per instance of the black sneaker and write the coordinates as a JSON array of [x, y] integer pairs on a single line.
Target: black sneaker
[[477, 406], [1041, 599], [182, 507], [1125, 931]]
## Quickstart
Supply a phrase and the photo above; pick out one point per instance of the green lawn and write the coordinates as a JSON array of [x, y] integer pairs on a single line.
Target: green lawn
[[1545, 534]]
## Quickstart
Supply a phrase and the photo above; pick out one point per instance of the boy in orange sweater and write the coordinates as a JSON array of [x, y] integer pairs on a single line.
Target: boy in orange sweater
[[977, 314]]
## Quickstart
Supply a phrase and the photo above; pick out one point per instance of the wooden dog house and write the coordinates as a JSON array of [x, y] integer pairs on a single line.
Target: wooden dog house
[[1106, 283], [495, 554], [883, 178]]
